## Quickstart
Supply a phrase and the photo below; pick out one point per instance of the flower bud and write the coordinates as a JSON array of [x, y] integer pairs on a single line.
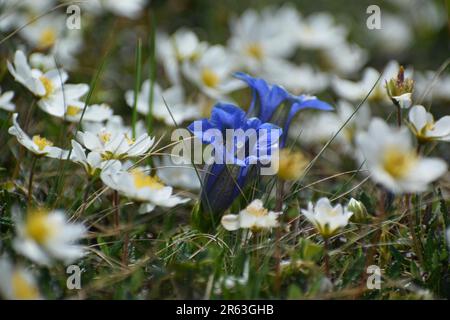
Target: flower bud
[[400, 89], [360, 213]]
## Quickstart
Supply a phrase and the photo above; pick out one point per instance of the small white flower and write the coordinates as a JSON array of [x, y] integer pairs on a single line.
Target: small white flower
[[45, 236], [135, 184], [92, 163], [42, 62], [254, 217], [393, 161], [212, 72], [37, 144], [395, 36], [93, 113], [326, 218], [425, 128], [16, 283], [321, 127], [319, 31], [5, 101], [260, 39], [177, 175], [114, 141], [173, 96], [43, 33], [180, 47], [49, 87], [131, 9], [345, 58], [298, 79], [357, 91]]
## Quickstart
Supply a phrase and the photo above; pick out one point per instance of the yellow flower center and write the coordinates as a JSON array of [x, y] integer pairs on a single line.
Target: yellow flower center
[[47, 38], [22, 289], [41, 142], [104, 136], [73, 111], [256, 51], [256, 211], [37, 226], [141, 180], [210, 78], [398, 163], [48, 85], [291, 165]]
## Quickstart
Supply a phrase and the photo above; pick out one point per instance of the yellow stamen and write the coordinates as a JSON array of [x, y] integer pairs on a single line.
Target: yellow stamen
[[210, 78], [104, 136], [41, 142], [141, 180], [48, 85], [37, 226], [73, 111], [23, 289], [256, 51], [398, 163], [47, 38], [256, 211]]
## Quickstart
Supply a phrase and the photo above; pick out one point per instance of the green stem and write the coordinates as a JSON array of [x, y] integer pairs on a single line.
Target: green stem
[[30, 180], [136, 86], [326, 258], [151, 73], [416, 244], [278, 208]]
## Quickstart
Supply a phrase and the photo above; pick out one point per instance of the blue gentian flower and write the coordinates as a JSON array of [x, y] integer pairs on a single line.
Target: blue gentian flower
[[225, 179], [267, 98]]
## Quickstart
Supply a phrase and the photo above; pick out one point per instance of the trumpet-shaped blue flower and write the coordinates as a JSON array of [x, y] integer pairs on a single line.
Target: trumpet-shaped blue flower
[[267, 98], [240, 144]]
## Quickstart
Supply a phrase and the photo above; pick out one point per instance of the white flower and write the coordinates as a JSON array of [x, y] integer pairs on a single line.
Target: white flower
[[326, 218], [175, 98], [37, 144], [258, 39], [395, 36], [135, 184], [345, 58], [357, 91], [92, 163], [182, 46], [254, 217], [5, 101], [425, 128], [298, 79], [114, 141], [42, 62], [319, 31], [43, 33], [49, 87], [131, 9], [393, 161], [93, 113], [45, 236], [321, 127], [177, 175], [16, 283], [212, 72]]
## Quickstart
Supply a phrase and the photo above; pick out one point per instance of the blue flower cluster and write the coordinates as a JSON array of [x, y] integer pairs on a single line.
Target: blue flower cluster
[[272, 110]]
